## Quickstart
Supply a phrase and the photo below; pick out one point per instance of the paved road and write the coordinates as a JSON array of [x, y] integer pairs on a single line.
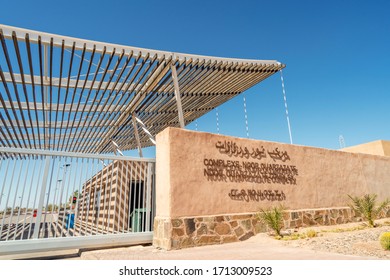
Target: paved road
[[50, 217], [22, 227]]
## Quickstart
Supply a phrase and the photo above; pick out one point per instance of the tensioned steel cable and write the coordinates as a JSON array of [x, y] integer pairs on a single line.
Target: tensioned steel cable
[[217, 117], [285, 105], [246, 118]]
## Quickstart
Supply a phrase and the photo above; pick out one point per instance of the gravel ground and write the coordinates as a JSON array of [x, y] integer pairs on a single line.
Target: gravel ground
[[363, 242]]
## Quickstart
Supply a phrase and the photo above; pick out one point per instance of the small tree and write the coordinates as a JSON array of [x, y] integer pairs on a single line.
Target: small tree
[[273, 217], [366, 206]]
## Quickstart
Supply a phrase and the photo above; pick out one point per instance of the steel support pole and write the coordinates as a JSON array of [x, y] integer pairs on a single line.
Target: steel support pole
[[177, 95], [41, 198], [137, 135]]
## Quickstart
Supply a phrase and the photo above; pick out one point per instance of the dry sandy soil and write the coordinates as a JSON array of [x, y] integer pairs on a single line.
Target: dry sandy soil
[[347, 239]]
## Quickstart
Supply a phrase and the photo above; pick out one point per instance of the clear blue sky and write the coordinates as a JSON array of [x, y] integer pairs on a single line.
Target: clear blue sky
[[337, 55]]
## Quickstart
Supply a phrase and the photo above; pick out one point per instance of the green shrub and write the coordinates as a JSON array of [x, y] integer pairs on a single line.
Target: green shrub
[[384, 239], [366, 206], [311, 233], [294, 236], [273, 218]]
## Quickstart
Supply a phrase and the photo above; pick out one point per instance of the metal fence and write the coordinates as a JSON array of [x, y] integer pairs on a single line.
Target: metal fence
[[56, 200]]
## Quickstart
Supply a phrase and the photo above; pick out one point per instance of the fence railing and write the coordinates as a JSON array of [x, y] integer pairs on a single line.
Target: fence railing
[[47, 196]]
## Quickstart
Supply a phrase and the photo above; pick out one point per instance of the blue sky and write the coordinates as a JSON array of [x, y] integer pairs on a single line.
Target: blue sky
[[336, 54]]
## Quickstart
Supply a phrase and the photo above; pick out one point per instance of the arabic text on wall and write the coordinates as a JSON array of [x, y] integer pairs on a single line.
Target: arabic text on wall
[[276, 172]]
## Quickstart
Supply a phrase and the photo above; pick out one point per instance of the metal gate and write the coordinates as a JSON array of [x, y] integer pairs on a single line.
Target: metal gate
[[56, 200]]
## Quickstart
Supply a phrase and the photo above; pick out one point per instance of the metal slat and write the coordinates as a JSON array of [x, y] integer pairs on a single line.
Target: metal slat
[[117, 200], [1, 197], [105, 194], [42, 92], [127, 198], [49, 89], [59, 90], [100, 199], [79, 192], [83, 196], [110, 196], [31, 68], [62, 141]]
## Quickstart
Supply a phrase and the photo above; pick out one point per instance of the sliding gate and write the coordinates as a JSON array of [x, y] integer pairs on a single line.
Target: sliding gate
[[56, 200]]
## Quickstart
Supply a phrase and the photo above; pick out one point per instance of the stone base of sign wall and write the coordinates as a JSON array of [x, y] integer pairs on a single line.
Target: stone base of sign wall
[[178, 233]]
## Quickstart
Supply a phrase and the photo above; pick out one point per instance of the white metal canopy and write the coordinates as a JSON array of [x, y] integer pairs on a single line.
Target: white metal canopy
[[69, 94]]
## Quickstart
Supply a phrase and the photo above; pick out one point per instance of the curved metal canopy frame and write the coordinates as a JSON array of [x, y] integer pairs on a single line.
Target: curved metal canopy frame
[[69, 94]]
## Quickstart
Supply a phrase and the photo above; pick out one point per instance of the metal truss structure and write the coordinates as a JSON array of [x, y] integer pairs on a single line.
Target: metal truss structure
[[68, 94]]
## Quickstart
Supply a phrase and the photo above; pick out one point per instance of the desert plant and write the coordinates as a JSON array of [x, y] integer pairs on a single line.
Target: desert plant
[[366, 206], [384, 239], [311, 233], [273, 218], [294, 236]]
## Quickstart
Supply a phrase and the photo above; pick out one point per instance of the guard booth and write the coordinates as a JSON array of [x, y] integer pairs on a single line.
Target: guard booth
[[123, 191]]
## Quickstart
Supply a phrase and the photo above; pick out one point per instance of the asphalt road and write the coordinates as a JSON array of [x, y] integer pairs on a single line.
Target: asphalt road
[[22, 227]]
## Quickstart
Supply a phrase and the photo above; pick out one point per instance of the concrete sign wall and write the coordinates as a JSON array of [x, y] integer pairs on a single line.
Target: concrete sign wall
[[202, 175]]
